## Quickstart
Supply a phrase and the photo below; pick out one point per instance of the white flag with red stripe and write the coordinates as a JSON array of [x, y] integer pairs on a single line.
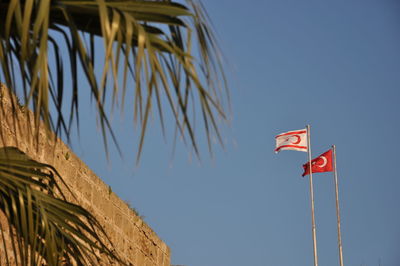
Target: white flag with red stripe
[[295, 140]]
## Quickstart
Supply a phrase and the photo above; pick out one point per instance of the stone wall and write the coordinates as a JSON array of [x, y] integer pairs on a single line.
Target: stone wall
[[133, 239]]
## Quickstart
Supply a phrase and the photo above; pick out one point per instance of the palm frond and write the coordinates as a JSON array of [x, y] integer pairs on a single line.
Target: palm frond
[[151, 43], [42, 226]]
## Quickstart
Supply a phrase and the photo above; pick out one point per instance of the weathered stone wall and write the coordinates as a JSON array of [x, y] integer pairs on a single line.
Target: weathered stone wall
[[133, 239]]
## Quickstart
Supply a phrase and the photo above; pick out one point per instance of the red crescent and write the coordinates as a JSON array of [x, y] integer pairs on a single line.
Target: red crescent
[[298, 139]]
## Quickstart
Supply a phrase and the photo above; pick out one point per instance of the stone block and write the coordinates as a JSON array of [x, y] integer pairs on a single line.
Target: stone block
[[118, 219], [140, 259], [166, 261]]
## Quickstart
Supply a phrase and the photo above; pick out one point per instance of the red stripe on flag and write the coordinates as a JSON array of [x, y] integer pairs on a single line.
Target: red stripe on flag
[[291, 133], [291, 146]]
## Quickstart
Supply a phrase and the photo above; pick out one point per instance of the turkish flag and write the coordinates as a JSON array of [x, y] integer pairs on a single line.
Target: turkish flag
[[322, 163]]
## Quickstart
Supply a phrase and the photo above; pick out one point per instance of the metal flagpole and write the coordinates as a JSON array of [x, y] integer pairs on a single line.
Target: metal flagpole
[[312, 197], [337, 206]]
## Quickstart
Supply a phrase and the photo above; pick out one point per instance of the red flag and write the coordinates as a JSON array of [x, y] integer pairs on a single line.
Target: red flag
[[322, 163]]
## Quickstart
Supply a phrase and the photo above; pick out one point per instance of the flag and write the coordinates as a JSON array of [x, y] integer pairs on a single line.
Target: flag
[[295, 140], [322, 163]]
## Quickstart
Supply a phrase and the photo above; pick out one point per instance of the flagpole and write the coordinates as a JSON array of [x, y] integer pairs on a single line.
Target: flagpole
[[337, 205], [314, 235]]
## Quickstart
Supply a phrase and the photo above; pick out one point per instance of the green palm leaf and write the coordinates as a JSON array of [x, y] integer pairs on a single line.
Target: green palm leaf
[[147, 48], [42, 226]]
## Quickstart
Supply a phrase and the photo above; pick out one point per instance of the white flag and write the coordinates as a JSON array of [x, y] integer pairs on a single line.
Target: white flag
[[295, 140]]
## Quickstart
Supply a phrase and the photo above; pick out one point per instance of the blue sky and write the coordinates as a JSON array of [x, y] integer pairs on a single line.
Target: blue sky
[[332, 64]]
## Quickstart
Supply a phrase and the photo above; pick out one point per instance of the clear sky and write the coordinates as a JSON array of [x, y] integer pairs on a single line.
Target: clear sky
[[332, 64]]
